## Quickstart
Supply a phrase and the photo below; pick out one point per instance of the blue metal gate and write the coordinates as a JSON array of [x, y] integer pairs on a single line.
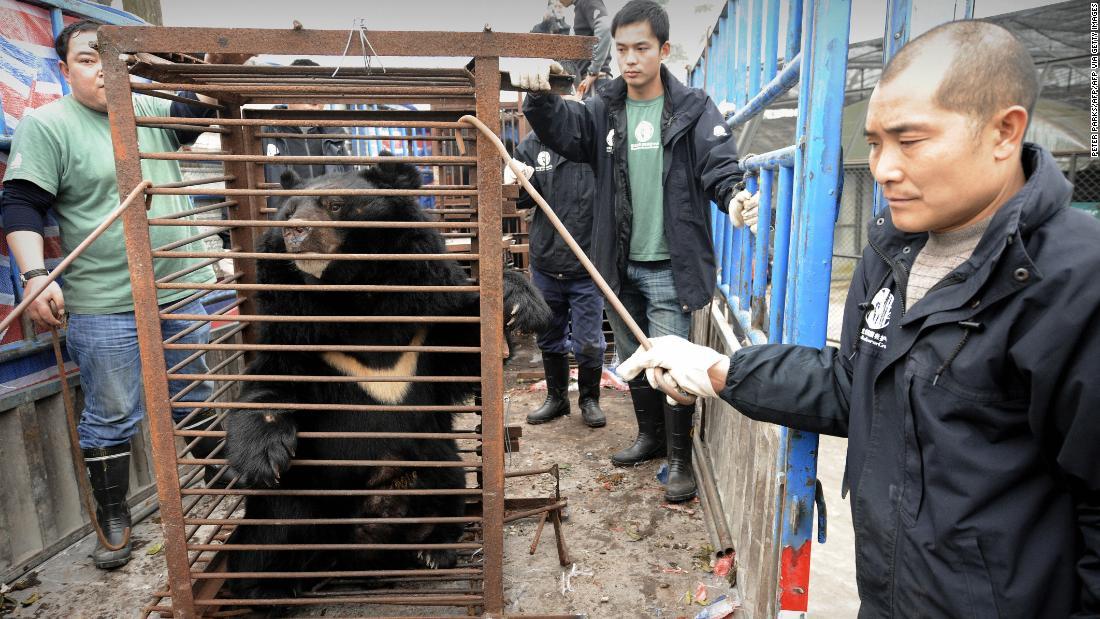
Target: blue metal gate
[[775, 287]]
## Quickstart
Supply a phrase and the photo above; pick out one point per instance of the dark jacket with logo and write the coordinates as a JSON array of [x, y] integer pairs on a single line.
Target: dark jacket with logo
[[973, 417], [313, 147], [700, 165], [569, 189]]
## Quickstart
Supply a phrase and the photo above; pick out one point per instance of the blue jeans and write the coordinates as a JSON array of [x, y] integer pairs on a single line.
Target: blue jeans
[[649, 294], [577, 323], [105, 347]]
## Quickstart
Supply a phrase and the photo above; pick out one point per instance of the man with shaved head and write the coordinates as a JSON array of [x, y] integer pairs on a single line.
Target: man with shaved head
[[968, 375]]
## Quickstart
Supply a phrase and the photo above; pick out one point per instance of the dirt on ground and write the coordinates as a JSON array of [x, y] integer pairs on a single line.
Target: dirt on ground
[[632, 554]]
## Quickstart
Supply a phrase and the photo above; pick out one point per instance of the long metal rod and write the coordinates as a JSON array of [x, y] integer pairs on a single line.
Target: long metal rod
[[307, 90], [354, 319], [113, 216], [303, 159], [664, 381], [304, 122], [187, 191]]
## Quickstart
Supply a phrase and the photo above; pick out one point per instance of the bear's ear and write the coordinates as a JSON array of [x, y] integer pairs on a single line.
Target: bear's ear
[[290, 179], [393, 175]]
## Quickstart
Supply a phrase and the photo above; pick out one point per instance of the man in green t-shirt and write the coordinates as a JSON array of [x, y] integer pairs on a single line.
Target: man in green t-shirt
[[661, 152], [61, 158]]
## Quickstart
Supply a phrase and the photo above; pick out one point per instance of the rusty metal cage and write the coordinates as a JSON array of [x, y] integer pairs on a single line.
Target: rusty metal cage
[[198, 516]]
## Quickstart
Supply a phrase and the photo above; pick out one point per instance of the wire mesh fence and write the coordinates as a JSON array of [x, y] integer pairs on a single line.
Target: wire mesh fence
[[857, 206]]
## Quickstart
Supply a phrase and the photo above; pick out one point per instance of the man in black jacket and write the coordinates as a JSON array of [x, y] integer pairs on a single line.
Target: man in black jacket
[[660, 152], [314, 142], [591, 19], [577, 304], [966, 379]]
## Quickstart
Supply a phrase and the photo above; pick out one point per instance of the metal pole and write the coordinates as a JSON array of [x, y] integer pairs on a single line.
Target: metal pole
[[139, 254], [490, 279]]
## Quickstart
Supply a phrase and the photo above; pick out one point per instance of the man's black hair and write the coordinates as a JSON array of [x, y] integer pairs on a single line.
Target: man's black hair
[[990, 69], [304, 62], [637, 11], [61, 43]]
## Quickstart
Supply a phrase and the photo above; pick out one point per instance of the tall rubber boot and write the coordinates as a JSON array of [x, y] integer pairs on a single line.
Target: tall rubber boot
[[588, 384], [556, 366], [109, 473], [650, 442], [681, 474]]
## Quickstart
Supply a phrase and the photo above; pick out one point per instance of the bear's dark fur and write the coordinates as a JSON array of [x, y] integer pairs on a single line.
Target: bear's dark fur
[[261, 443]]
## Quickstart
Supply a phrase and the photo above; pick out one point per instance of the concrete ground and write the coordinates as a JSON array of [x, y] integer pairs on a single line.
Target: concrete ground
[[634, 555]]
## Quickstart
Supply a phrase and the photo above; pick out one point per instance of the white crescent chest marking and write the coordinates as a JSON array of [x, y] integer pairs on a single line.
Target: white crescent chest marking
[[390, 392]]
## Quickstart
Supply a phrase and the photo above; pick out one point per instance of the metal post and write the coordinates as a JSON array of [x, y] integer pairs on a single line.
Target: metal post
[[490, 280], [139, 254], [763, 237], [813, 255]]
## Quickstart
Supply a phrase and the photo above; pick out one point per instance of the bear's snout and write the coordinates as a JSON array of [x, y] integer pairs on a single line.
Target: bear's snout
[[294, 237]]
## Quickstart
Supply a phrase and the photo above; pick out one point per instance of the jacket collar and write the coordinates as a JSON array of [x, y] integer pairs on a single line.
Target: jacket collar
[[683, 105], [1045, 192]]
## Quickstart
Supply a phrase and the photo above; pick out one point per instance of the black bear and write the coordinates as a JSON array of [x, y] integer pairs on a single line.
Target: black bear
[[261, 443]]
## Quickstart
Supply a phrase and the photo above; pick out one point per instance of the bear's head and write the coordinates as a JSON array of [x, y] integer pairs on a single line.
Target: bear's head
[[308, 211]]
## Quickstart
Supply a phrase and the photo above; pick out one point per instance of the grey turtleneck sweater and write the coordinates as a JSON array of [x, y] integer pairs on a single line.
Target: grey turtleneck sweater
[[943, 253]]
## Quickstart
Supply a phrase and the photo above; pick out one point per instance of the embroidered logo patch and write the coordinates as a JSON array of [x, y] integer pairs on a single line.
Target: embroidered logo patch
[[877, 318], [543, 162], [610, 140], [719, 130]]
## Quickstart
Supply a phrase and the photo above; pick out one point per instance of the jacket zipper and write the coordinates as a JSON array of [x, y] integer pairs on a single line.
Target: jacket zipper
[[894, 266]]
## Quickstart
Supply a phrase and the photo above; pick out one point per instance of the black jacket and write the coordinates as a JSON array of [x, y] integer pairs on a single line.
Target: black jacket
[[304, 148], [569, 188], [700, 165], [973, 417]]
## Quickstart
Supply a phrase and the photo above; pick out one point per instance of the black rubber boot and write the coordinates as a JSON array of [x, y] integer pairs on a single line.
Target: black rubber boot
[[681, 475], [556, 366], [650, 442], [588, 383], [109, 472]]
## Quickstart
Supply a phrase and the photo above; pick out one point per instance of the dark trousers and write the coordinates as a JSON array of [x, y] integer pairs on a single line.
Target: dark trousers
[[577, 325]]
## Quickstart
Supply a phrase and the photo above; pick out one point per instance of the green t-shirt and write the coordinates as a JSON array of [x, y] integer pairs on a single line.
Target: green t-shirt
[[645, 162], [65, 148]]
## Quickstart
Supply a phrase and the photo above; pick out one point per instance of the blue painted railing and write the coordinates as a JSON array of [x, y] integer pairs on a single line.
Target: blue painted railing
[[777, 284]]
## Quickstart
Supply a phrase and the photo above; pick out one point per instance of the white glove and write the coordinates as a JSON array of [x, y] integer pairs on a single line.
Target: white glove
[[687, 363], [510, 176], [750, 212], [532, 73], [743, 209]]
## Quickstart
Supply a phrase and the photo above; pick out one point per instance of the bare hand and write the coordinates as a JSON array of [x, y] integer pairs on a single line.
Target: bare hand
[[48, 308], [586, 83]]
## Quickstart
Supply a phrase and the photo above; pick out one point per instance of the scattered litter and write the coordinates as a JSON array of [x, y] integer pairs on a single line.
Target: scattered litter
[[633, 533], [605, 599], [674, 570], [568, 575], [662, 474], [28, 581], [155, 549], [676, 507], [34, 597], [723, 568], [700, 596], [609, 380], [611, 481], [721, 608]]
